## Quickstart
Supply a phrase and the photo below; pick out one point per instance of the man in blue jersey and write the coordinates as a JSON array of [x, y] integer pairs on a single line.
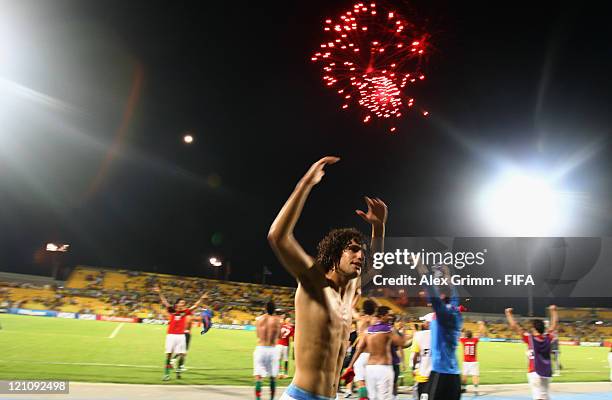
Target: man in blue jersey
[[444, 379]]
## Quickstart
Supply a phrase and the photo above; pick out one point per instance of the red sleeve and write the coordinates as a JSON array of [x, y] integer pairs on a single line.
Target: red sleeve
[[188, 312], [462, 340], [476, 340], [525, 338]]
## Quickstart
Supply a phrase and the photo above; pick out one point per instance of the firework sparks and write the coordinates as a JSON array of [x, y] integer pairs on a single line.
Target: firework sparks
[[372, 57]]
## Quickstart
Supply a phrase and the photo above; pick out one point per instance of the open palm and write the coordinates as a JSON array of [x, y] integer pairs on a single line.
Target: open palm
[[377, 211]]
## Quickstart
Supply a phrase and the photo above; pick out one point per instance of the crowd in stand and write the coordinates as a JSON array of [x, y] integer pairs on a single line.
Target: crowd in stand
[[232, 302], [134, 297]]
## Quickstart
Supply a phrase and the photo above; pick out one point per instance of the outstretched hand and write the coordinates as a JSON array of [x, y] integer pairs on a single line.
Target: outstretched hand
[[316, 171], [377, 211]]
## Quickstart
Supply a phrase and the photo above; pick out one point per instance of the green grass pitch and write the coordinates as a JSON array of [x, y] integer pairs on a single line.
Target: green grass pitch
[[54, 348]]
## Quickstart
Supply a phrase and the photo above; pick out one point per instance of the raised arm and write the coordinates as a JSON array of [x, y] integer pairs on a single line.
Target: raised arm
[[438, 305], [512, 323], [163, 299], [376, 216], [291, 255], [197, 303], [554, 318]]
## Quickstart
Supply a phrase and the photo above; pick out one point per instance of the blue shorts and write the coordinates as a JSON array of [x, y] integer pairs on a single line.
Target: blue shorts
[[295, 393]]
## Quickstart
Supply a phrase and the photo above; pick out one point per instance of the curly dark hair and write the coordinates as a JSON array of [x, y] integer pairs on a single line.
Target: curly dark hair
[[369, 307], [330, 248]]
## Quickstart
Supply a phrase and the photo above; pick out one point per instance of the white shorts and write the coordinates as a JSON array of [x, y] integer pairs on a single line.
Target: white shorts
[[360, 367], [539, 385], [471, 368], [265, 361], [176, 344], [283, 352], [379, 382]]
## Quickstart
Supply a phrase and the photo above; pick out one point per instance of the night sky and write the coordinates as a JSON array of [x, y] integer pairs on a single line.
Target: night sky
[[521, 83]]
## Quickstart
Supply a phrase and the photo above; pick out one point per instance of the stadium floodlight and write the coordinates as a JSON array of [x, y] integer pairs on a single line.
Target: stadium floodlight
[[59, 247], [215, 262], [188, 139], [522, 204]]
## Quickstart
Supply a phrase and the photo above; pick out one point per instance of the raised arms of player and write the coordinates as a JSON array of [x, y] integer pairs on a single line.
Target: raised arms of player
[[554, 318], [281, 239], [442, 313], [162, 298], [513, 325], [197, 303], [376, 216]]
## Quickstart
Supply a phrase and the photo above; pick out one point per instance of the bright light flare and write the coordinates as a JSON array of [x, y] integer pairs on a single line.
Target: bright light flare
[[215, 262], [188, 139], [62, 248], [519, 204]]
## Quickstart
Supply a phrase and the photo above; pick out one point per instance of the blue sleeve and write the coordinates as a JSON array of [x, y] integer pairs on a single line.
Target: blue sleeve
[[443, 315], [454, 300]]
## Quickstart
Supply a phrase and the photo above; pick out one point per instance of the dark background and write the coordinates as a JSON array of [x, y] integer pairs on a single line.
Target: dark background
[[524, 83]]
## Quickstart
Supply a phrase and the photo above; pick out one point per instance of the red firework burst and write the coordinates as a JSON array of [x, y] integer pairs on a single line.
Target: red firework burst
[[371, 57]]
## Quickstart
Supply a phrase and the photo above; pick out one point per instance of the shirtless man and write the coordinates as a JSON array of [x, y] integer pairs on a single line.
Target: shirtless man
[[327, 288], [266, 356], [363, 322], [379, 370]]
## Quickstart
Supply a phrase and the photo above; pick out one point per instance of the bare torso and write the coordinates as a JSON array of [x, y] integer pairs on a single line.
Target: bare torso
[[379, 347], [363, 323], [268, 330], [323, 319]]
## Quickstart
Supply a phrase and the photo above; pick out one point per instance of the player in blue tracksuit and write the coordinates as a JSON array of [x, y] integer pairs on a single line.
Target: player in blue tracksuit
[[445, 379], [206, 316]]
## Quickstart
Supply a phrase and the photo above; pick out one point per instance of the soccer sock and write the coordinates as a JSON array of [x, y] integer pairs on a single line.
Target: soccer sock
[[286, 367], [168, 365], [272, 388], [258, 390], [181, 361], [362, 392]]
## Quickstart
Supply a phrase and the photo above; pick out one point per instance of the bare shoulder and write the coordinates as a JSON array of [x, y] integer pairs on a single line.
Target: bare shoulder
[[313, 280]]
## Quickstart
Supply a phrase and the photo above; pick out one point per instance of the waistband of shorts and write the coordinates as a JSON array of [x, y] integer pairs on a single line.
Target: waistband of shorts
[[265, 347], [301, 394]]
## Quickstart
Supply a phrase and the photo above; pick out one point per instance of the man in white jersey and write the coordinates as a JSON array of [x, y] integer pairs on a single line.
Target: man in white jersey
[[421, 356]]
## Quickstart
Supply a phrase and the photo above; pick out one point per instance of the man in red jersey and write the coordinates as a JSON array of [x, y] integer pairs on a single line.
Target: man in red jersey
[[282, 345], [470, 361], [175, 339]]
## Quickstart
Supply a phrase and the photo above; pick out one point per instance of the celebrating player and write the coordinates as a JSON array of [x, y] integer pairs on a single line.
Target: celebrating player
[[265, 357], [379, 368], [286, 333], [175, 339], [470, 362], [327, 288], [444, 380], [539, 344]]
